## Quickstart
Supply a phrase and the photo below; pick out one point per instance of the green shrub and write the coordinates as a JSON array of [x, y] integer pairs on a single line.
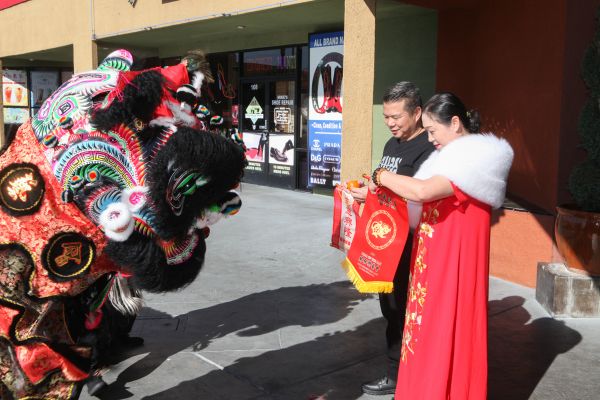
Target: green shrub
[[584, 182]]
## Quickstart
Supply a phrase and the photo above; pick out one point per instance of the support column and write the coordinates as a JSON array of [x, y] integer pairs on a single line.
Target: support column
[[1, 109], [85, 54], [359, 73]]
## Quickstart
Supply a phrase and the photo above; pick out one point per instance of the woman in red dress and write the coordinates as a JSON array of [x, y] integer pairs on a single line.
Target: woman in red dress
[[444, 347]]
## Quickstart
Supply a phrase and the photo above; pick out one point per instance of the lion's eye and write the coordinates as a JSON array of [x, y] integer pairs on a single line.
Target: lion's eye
[[188, 185]]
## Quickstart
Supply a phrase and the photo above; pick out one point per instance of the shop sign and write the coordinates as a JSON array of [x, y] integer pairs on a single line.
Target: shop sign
[[43, 84], [15, 116], [269, 62], [254, 112], [281, 115], [14, 87], [325, 109]]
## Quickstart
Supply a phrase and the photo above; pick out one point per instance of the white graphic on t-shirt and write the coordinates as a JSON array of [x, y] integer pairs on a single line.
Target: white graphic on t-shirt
[[390, 163]]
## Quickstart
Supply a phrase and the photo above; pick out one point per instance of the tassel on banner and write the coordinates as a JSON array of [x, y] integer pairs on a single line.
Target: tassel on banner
[[377, 243], [361, 285]]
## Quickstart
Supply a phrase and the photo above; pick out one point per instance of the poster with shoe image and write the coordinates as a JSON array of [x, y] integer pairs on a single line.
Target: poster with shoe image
[[281, 154], [256, 146], [325, 109], [282, 124], [254, 125]]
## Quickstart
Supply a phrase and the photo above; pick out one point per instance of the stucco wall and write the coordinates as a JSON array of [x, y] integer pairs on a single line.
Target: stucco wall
[[113, 16], [506, 59], [406, 48], [359, 66], [43, 24]]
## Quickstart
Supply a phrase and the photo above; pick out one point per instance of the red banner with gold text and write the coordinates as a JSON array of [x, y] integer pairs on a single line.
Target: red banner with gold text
[[345, 215], [378, 242]]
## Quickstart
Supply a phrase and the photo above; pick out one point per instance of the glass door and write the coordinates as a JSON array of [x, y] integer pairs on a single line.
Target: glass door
[[269, 131], [254, 129], [282, 131]]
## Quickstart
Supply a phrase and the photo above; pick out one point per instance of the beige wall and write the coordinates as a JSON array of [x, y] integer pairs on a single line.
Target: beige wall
[[117, 16], [359, 71], [42, 24], [50, 24]]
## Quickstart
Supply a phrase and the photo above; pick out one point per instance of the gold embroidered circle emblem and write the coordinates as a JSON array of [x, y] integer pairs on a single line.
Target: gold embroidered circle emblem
[[381, 230], [68, 255], [21, 189]]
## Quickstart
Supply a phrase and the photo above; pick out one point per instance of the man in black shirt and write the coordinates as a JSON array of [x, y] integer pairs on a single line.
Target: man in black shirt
[[403, 153]]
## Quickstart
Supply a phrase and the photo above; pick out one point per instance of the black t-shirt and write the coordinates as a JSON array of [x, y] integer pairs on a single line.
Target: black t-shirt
[[405, 157]]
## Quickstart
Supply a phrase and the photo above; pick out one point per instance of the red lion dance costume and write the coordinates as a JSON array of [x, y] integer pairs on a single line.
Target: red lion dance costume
[[110, 177]]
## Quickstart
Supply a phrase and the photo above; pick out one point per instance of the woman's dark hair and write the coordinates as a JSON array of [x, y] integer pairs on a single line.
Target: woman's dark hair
[[443, 106]]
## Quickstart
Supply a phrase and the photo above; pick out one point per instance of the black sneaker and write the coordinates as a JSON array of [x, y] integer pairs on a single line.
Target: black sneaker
[[131, 341], [94, 385], [380, 386]]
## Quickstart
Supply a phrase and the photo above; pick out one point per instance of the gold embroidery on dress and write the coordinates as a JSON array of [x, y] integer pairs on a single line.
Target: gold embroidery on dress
[[417, 292]]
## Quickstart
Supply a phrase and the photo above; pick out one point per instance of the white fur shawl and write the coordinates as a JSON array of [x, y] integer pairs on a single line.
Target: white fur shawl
[[477, 163]]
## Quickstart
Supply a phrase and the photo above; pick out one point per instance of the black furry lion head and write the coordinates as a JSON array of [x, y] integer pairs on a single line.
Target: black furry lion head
[[199, 169]]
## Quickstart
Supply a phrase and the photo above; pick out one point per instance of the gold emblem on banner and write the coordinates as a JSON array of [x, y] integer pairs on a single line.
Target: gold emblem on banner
[[381, 230]]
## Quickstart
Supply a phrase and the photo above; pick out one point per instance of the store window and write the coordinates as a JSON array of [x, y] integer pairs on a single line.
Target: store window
[[25, 90], [270, 62], [221, 96]]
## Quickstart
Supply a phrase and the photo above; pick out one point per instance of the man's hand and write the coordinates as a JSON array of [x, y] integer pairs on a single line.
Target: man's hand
[[372, 187], [359, 194]]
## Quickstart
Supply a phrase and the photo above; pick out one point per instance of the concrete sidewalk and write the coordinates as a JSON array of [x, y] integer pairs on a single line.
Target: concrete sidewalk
[[272, 316]]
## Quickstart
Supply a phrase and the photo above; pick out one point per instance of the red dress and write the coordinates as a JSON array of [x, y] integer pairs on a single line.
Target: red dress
[[444, 347]]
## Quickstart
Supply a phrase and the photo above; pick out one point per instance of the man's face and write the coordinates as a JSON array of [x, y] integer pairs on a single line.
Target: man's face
[[401, 123]]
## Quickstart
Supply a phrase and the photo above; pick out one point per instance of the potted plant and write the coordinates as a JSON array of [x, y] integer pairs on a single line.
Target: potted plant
[[577, 229]]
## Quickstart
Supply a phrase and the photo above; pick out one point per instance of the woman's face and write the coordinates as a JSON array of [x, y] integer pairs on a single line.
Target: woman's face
[[439, 134]]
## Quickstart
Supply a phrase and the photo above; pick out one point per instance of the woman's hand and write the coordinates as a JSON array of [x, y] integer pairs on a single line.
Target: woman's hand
[[359, 194]]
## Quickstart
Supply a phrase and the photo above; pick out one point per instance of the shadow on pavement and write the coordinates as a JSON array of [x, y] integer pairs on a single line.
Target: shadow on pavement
[[248, 316], [320, 367], [520, 349]]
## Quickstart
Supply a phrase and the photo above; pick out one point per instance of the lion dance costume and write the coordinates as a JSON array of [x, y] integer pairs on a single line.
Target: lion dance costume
[[112, 177]]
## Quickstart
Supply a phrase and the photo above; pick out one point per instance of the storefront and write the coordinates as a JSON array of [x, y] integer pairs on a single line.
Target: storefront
[[25, 89], [272, 111], [262, 95]]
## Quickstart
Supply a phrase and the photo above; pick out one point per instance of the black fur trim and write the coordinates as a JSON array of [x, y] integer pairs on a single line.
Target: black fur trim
[[216, 158], [149, 264], [139, 99]]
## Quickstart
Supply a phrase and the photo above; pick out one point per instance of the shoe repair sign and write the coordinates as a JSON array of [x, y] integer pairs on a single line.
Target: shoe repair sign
[[325, 108]]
